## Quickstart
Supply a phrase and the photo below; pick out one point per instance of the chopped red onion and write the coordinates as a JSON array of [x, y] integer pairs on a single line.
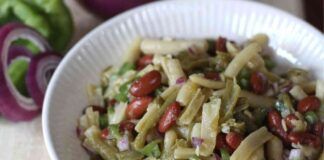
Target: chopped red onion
[[196, 141], [193, 51], [181, 80], [123, 143]]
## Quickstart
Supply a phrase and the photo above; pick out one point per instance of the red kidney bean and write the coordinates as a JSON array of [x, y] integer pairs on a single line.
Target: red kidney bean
[[274, 124], [212, 75], [169, 117], [309, 103], [144, 61], [221, 44], [221, 143], [104, 133], [233, 139], [304, 138], [127, 126], [288, 120], [146, 84], [258, 81], [318, 129], [137, 107]]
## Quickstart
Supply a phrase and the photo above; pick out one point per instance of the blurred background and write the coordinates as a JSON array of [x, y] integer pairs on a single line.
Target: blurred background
[[24, 140]]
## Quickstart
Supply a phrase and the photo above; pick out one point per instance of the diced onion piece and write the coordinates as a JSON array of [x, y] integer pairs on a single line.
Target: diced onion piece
[[196, 141], [204, 82], [241, 59], [95, 96], [123, 143], [296, 154], [155, 46], [297, 92], [15, 106], [119, 114], [251, 143], [186, 93], [92, 117], [196, 130]]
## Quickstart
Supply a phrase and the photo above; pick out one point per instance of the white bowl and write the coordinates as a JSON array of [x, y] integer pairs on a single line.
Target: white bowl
[[294, 41]]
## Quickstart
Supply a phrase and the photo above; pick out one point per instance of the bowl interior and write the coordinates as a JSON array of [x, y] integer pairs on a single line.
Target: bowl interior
[[294, 41]]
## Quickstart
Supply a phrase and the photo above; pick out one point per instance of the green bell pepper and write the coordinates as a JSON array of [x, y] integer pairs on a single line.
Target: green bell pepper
[[151, 149], [49, 17], [17, 72]]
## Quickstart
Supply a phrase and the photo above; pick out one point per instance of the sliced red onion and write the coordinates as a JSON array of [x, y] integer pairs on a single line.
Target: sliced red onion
[[196, 141], [181, 80], [16, 51], [13, 105], [193, 51], [109, 8], [40, 71], [123, 143], [286, 88]]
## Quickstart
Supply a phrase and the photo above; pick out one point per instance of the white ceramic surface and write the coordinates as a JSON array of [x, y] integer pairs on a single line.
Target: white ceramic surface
[[294, 41]]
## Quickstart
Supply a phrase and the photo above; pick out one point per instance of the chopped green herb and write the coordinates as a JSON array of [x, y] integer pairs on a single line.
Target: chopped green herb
[[122, 95], [126, 67], [224, 154], [195, 157], [114, 130], [244, 84], [151, 149], [269, 63], [311, 117], [103, 121]]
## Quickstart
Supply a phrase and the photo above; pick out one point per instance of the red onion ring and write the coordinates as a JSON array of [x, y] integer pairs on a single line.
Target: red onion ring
[[16, 51], [41, 68], [13, 105]]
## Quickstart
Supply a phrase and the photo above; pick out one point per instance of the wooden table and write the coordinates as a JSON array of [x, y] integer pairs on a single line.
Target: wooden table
[[24, 141]]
